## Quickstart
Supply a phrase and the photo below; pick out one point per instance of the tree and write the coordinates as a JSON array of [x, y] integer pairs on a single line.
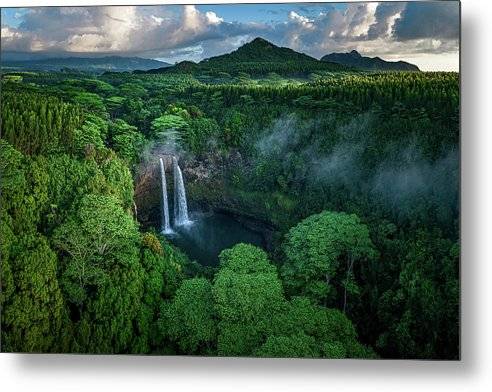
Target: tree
[[330, 332], [233, 131], [299, 345], [320, 255], [33, 311], [199, 132], [421, 312], [14, 188], [126, 140], [92, 102], [92, 133], [101, 274], [166, 126], [97, 236], [117, 179], [247, 292], [134, 112], [161, 280], [130, 89], [189, 320], [114, 104]]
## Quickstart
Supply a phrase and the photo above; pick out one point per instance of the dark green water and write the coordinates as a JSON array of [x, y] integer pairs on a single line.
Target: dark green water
[[211, 233]]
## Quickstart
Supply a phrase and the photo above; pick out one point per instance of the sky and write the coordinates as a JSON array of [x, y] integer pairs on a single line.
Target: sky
[[423, 33]]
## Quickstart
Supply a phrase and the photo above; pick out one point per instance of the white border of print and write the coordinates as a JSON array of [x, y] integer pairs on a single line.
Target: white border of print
[[21, 372]]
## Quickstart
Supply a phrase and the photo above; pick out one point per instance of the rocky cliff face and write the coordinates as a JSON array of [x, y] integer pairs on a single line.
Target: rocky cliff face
[[205, 189], [197, 176], [148, 191]]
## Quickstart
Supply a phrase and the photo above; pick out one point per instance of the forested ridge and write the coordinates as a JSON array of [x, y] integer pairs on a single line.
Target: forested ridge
[[258, 57], [358, 174]]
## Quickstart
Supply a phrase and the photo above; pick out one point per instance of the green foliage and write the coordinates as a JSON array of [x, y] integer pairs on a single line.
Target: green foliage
[[12, 78], [93, 103], [94, 243], [166, 126], [134, 112], [91, 134], [150, 241], [199, 132], [425, 300], [247, 291], [126, 140], [298, 345], [320, 255], [130, 89], [255, 318], [37, 124], [117, 179], [113, 104], [161, 279], [107, 322], [33, 312], [284, 140], [24, 189], [329, 332], [14, 184], [189, 319], [234, 129]]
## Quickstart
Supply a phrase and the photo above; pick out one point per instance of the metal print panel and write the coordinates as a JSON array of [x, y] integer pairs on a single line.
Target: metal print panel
[[260, 180]]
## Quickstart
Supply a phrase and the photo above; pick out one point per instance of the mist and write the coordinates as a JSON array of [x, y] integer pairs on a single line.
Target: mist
[[396, 178]]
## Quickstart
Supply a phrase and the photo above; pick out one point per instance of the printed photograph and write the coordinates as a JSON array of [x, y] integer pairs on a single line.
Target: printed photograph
[[234, 180]]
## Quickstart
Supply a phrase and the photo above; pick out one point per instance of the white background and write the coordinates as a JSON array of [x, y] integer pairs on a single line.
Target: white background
[[473, 373]]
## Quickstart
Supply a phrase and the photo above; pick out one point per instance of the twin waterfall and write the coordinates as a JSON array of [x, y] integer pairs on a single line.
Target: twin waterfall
[[165, 223], [180, 204]]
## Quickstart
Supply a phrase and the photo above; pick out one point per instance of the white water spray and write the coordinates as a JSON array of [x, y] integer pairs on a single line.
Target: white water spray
[[165, 222], [180, 204]]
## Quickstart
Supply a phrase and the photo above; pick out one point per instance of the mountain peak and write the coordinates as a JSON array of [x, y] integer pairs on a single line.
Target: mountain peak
[[258, 57], [261, 50], [259, 42], [356, 60]]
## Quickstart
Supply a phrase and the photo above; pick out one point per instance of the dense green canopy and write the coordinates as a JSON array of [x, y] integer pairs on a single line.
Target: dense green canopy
[[352, 176]]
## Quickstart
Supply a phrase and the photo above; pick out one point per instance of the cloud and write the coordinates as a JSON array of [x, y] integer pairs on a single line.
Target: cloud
[[403, 177], [377, 29], [122, 29], [385, 17], [390, 29], [428, 20]]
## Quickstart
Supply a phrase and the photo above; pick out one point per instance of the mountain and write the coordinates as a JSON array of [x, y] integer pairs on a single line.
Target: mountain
[[354, 59], [257, 57], [87, 64], [260, 50]]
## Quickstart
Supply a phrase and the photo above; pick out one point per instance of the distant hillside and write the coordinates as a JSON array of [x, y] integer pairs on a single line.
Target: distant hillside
[[354, 59], [87, 64], [257, 57]]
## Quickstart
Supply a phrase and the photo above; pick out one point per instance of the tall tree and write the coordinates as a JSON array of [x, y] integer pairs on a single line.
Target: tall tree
[[320, 255], [189, 319], [247, 291]]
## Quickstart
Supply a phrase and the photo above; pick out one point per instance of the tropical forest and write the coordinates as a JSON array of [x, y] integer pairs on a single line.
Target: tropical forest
[[260, 203]]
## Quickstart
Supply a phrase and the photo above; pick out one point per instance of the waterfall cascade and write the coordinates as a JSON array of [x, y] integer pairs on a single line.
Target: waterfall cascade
[[165, 222], [180, 204]]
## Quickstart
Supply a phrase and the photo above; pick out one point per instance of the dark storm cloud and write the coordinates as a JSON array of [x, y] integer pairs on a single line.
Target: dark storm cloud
[[438, 20], [384, 14]]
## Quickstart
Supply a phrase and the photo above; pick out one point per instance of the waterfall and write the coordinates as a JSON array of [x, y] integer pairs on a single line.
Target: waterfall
[[165, 224], [180, 204]]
